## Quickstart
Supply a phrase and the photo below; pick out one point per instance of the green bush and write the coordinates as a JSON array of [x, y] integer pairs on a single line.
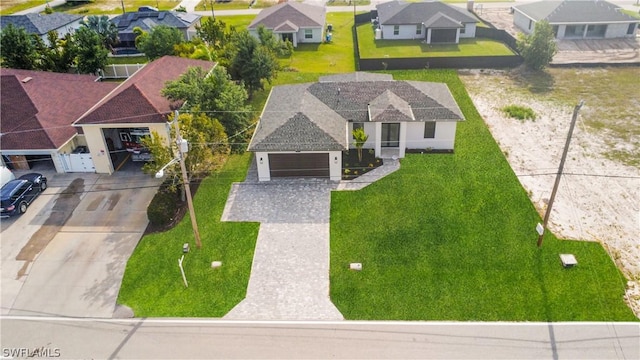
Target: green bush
[[163, 207], [519, 112]]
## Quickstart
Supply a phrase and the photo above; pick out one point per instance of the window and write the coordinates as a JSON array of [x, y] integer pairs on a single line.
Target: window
[[396, 30], [308, 33], [358, 125], [419, 29], [462, 30], [631, 29], [430, 130]]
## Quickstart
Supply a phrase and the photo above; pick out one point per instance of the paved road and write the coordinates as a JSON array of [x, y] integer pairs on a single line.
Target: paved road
[[214, 339]]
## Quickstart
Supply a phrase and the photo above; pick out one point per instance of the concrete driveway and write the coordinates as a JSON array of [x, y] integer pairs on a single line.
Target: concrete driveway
[[67, 254]]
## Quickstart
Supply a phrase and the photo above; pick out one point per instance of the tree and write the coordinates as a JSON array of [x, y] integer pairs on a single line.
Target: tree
[[252, 62], [195, 49], [159, 42], [60, 53], [208, 146], [92, 56], [214, 33], [538, 48], [360, 138], [107, 30], [216, 95], [18, 48]]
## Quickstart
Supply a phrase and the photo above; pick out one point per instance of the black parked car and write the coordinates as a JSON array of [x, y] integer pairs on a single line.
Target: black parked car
[[18, 194]]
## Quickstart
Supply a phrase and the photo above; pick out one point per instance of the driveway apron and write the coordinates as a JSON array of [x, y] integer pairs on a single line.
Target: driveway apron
[[290, 272], [78, 269]]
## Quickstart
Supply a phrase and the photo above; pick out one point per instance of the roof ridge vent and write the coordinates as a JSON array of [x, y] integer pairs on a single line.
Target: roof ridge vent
[[26, 80]]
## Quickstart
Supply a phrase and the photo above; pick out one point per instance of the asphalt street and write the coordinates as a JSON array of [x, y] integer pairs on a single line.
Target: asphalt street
[[214, 339]]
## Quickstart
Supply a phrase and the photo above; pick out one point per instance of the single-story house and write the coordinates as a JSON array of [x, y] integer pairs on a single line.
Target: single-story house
[[136, 108], [304, 128], [433, 21], [147, 20], [293, 21], [41, 24], [38, 110], [577, 19]]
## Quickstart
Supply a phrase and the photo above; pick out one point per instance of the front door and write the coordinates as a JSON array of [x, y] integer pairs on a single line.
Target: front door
[[287, 36], [390, 135]]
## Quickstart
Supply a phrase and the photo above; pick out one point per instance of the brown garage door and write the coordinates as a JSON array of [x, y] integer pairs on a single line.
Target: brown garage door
[[299, 165]]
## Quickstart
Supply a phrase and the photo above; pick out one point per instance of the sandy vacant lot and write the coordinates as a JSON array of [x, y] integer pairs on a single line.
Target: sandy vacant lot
[[599, 197]]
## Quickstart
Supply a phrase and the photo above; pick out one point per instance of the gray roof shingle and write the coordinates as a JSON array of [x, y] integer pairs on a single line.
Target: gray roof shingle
[[299, 14], [403, 13], [37, 23], [147, 20], [313, 116], [575, 11]]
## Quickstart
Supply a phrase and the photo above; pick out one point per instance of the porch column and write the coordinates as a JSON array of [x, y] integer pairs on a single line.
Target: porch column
[[457, 36], [378, 144], [403, 139], [584, 33]]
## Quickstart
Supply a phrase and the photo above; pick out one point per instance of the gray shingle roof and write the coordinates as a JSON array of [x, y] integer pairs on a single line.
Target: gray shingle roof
[[573, 11], [37, 23], [299, 14], [442, 21], [403, 13], [313, 116], [147, 20]]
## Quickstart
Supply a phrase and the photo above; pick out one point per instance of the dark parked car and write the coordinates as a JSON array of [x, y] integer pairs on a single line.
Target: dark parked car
[[18, 194]]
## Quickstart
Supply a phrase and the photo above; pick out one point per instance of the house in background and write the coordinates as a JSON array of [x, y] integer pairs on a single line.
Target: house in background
[[433, 21], [41, 24], [304, 128], [38, 110], [575, 19], [136, 108], [148, 19], [293, 21]]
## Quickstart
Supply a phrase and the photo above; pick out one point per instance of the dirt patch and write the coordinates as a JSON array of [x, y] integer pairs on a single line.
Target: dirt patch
[[598, 198]]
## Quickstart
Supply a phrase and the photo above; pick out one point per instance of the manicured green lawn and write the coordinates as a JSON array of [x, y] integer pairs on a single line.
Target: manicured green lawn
[[371, 48], [152, 283], [11, 6], [452, 237], [128, 60], [239, 21], [99, 7]]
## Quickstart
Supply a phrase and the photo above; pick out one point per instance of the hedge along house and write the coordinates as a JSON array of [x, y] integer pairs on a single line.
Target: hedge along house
[[433, 21], [292, 21], [304, 128], [38, 110], [575, 19], [135, 108]]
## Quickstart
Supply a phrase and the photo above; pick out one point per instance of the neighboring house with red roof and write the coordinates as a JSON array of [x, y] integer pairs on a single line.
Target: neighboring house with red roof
[[135, 108], [577, 19], [38, 110], [292, 21], [433, 21]]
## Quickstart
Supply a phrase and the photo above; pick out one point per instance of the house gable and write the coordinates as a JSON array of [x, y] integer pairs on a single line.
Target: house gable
[[403, 13], [36, 109], [39, 24], [139, 99], [388, 107], [575, 11], [298, 14], [442, 21]]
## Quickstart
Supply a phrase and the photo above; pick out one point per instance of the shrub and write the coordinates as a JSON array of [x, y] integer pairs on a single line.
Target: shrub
[[519, 112], [163, 207]]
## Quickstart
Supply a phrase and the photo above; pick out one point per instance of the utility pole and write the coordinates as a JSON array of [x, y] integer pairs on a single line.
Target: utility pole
[[213, 16], [185, 181], [122, 3], [560, 168]]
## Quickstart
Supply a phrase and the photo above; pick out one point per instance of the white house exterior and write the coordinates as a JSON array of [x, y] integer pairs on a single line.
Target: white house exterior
[[432, 21], [304, 127], [41, 24], [576, 19], [292, 21]]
